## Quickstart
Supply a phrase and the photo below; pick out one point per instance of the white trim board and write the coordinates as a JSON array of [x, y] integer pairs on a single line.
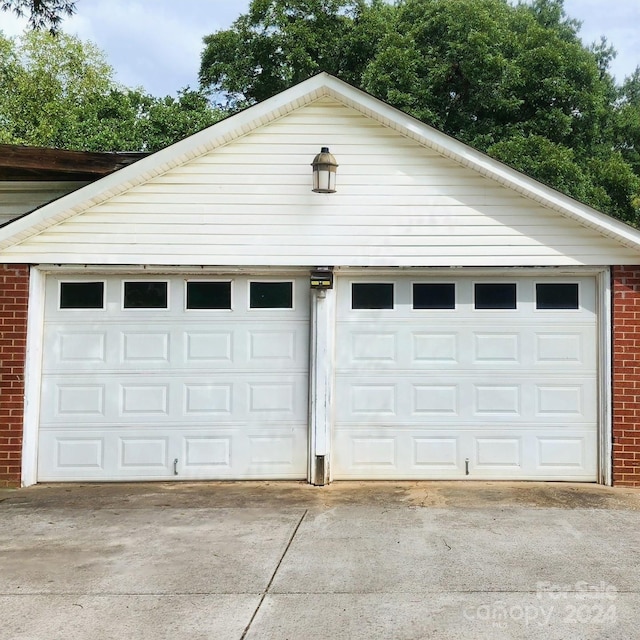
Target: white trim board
[[33, 377]]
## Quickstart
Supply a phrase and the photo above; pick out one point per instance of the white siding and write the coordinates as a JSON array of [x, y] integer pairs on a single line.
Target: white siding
[[18, 197], [250, 203]]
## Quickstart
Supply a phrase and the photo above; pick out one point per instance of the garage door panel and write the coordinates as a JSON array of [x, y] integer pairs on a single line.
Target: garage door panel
[[135, 347], [207, 452], [426, 399], [435, 399], [159, 399], [219, 452], [75, 348], [390, 451], [143, 452], [437, 452], [420, 391], [406, 453], [140, 347], [208, 399], [202, 347], [571, 451], [498, 453], [125, 392], [387, 347]]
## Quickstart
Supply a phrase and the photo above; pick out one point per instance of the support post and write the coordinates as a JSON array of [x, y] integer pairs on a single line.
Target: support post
[[321, 384]]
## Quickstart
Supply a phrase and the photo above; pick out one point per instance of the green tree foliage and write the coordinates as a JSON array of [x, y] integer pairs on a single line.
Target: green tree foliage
[[278, 43], [59, 92], [483, 70], [43, 14], [513, 80], [627, 124]]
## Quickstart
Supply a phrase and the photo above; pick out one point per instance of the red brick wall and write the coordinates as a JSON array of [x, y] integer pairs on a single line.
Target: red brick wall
[[626, 375], [14, 293]]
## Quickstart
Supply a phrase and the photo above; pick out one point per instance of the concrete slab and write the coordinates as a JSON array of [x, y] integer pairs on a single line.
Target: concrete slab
[[109, 617], [445, 616], [420, 550], [456, 494], [142, 551], [408, 560]]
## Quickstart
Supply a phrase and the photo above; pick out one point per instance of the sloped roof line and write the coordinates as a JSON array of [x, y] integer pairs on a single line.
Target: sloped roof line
[[319, 86], [489, 167], [162, 161]]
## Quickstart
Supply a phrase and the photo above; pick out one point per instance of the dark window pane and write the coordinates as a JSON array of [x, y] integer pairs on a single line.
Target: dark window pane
[[434, 295], [271, 295], [208, 295], [372, 295], [145, 295], [557, 296], [495, 295], [82, 295]]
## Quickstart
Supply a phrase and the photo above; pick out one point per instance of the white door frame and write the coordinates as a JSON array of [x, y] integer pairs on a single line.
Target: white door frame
[[33, 376]]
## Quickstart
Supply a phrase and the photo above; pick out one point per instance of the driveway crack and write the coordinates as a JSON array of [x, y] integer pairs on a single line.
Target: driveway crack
[[273, 576]]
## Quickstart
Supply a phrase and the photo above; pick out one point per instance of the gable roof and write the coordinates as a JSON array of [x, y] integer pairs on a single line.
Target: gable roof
[[319, 86]]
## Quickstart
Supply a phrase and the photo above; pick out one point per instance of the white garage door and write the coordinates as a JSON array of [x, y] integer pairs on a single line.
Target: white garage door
[[466, 377], [174, 377]]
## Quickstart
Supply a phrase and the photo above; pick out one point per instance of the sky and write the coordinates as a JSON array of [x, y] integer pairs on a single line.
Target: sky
[[156, 44]]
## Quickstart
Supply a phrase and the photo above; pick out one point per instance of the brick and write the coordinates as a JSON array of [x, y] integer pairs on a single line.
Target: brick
[[626, 375], [14, 295]]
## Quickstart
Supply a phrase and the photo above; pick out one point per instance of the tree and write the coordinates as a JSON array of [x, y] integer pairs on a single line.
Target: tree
[[278, 43], [47, 80], [43, 14], [131, 120], [60, 92], [483, 71], [511, 79], [627, 122]]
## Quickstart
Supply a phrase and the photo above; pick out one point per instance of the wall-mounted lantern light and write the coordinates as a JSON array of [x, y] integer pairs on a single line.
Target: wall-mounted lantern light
[[324, 172]]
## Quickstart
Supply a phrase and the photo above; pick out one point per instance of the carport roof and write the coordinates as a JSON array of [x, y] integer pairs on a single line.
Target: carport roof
[[20, 162]]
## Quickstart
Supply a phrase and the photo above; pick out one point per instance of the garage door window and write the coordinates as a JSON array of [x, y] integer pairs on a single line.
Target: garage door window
[[271, 295], [557, 295], [440, 295], [372, 295], [82, 295], [208, 295], [145, 295], [495, 295]]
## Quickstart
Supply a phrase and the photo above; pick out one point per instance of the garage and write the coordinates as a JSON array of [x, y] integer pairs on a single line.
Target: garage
[[240, 306], [174, 376], [455, 377]]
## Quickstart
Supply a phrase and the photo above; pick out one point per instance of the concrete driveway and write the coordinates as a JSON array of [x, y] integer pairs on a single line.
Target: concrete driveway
[[289, 561]]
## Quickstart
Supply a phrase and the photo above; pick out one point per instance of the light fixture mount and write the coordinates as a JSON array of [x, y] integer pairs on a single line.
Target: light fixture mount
[[324, 167]]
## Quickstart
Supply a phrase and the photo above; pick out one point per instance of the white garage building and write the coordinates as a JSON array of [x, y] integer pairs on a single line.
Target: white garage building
[[174, 332]]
